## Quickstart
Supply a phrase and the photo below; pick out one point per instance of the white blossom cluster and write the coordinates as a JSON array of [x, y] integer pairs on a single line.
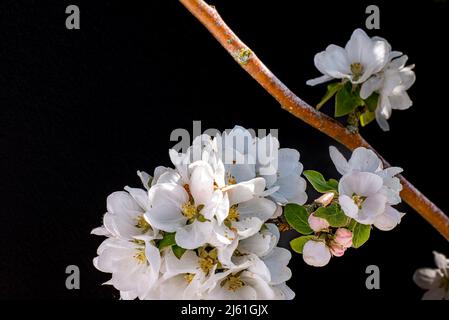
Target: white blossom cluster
[[366, 193], [371, 63], [202, 230]]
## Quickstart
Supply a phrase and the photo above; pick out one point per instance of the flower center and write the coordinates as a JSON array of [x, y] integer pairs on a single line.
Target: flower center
[[231, 179], [142, 224], [233, 282], [358, 200], [357, 70], [140, 256], [207, 259], [189, 277], [189, 210], [233, 214]]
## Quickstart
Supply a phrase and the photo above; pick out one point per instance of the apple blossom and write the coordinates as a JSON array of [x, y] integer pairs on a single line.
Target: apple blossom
[[364, 170], [316, 253], [360, 59], [435, 281], [134, 265], [392, 84]]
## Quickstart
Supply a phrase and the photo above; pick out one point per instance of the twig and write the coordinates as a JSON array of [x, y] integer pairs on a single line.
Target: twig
[[247, 59]]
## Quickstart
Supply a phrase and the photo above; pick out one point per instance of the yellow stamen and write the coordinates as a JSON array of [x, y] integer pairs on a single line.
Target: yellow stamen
[[142, 224], [357, 70], [189, 210], [207, 260], [233, 282], [189, 277], [140, 256], [358, 200], [233, 214]]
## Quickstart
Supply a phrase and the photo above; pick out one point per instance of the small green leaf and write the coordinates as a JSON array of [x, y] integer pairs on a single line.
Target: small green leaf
[[167, 241], [347, 100], [360, 234], [297, 216], [178, 251], [332, 89], [367, 117], [333, 184], [320, 184], [371, 102], [333, 214], [298, 243]]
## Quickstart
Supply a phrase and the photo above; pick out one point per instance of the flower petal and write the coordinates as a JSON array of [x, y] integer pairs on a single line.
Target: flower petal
[[194, 235], [340, 162], [348, 206], [360, 183]]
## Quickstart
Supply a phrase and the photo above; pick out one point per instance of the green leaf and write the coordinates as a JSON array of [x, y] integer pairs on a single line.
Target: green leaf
[[360, 234], [320, 184], [347, 100], [371, 102], [298, 243], [167, 241], [332, 89], [178, 251], [333, 214], [367, 117], [333, 184], [297, 216]]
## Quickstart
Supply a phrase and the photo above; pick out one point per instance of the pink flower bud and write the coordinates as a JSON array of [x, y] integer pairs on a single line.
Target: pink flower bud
[[343, 237], [336, 249], [325, 199], [317, 224]]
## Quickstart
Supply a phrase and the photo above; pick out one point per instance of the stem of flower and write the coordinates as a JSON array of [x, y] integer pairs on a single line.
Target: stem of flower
[[248, 60]]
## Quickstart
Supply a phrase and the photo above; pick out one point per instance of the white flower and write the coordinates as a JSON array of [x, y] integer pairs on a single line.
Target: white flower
[[360, 59], [125, 216], [316, 253], [134, 265], [182, 278], [252, 279], [366, 161], [361, 197], [435, 281], [392, 84], [286, 184], [187, 210], [389, 219]]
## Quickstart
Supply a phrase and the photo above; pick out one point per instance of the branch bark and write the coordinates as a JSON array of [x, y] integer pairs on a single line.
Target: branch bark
[[248, 60]]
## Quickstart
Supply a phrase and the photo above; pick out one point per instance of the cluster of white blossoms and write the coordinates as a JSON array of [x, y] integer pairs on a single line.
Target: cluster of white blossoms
[[367, 192], [371, 63], [366, 195], [434, 281], [202, 230]]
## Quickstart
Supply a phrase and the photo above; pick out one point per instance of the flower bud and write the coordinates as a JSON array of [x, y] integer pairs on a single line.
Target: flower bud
[[343, 237], [325, 199], [316, 253], [336, 249], [317, 224]]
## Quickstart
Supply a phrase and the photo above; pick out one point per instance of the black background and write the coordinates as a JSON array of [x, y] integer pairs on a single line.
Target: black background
[[82, 110]]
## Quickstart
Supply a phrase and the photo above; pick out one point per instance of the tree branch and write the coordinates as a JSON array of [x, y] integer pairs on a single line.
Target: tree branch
[[209, 17]]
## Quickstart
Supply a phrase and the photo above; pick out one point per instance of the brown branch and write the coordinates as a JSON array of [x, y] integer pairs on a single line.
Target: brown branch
[[209, 17]]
